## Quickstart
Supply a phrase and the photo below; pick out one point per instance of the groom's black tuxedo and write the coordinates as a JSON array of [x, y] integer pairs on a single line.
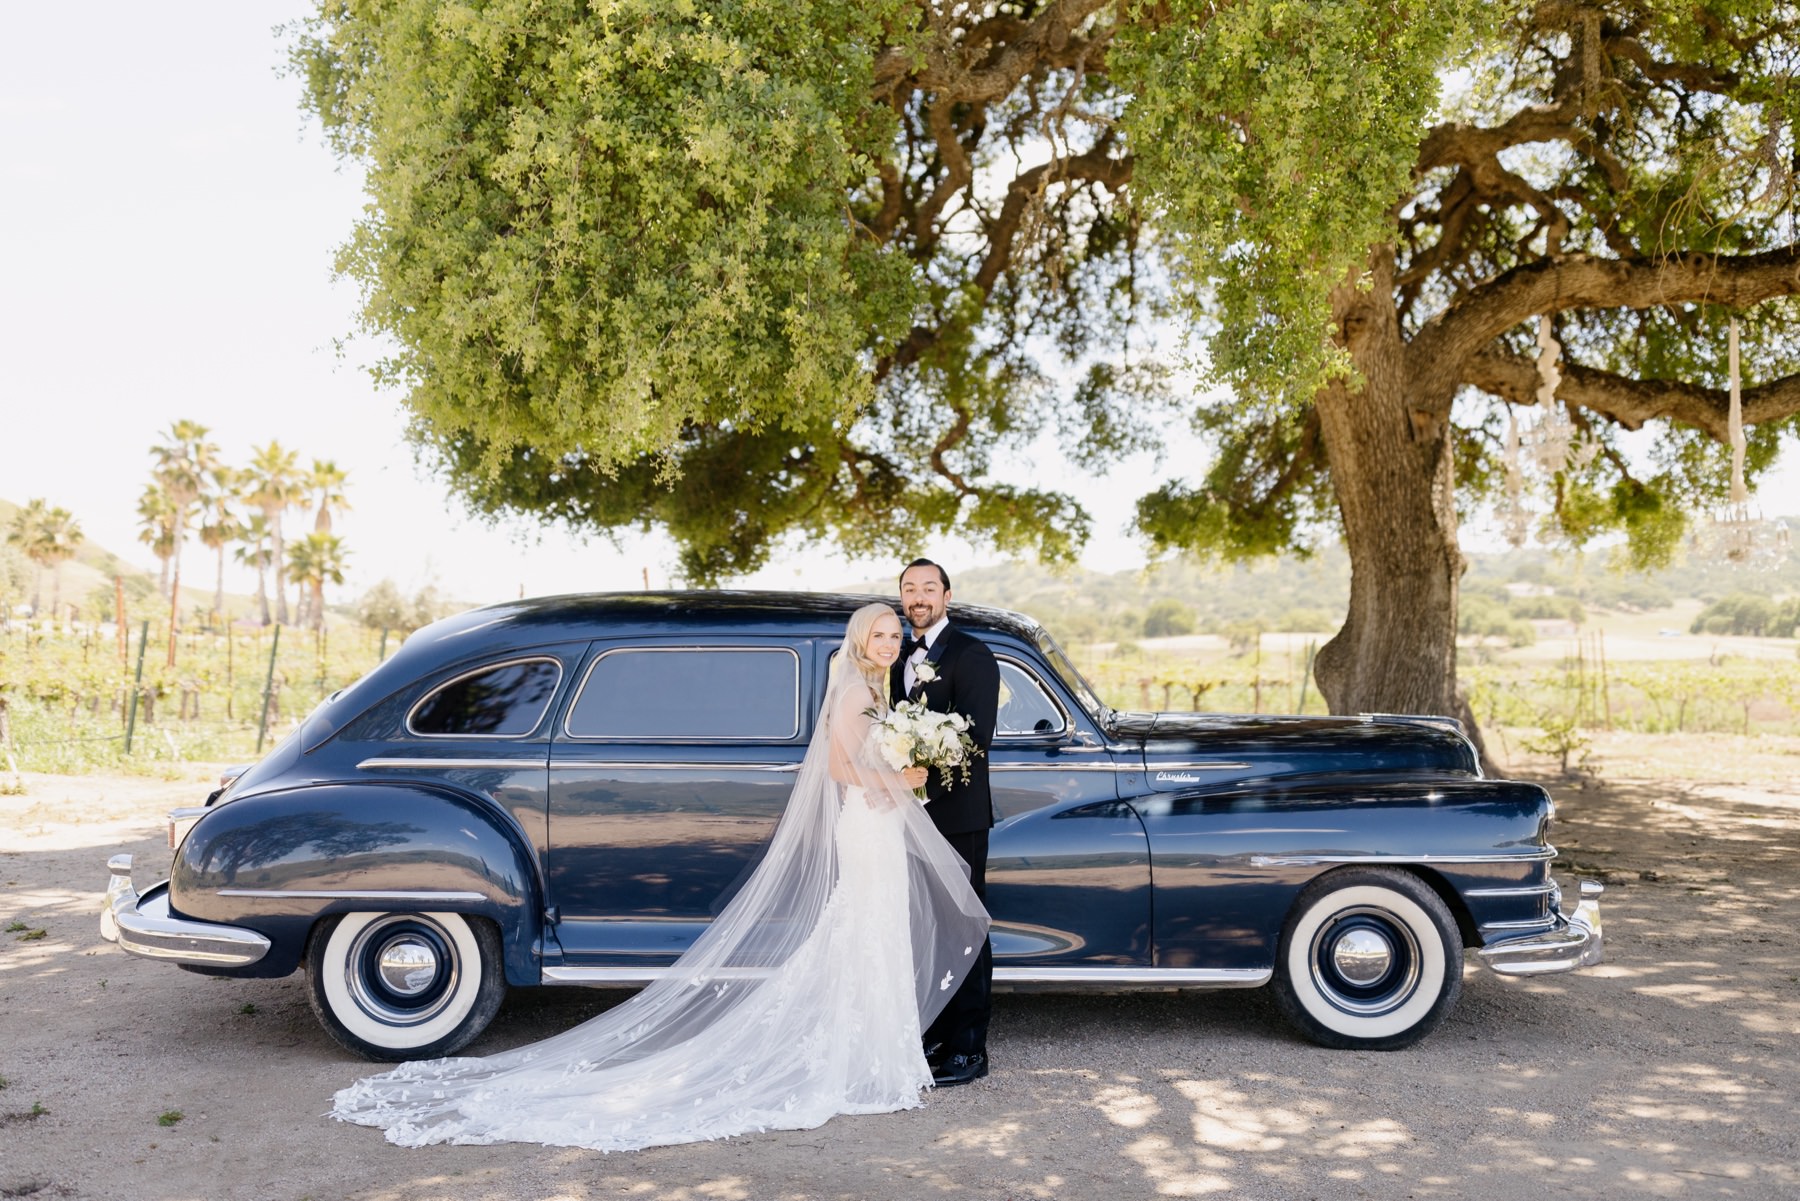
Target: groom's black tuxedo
[[968, 682]]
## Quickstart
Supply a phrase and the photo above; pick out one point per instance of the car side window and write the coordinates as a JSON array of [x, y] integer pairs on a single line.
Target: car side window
[[683, 693], [504, 700], [1026, 708]]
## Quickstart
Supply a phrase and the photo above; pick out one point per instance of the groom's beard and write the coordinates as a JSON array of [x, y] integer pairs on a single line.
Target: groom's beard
[[922, 618]]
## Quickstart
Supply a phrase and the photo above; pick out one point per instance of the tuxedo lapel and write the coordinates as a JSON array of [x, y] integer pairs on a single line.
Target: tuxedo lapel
[[936, 693]]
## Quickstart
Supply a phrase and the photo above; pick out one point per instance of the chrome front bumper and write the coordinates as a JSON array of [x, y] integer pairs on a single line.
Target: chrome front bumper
[[143, 926], [1575, 943]]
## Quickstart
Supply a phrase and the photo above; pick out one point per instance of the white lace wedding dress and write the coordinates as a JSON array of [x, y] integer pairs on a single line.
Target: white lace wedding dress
[[803, 999]]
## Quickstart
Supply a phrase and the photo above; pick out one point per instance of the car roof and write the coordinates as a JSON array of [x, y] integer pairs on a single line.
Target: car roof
[[538, 620]]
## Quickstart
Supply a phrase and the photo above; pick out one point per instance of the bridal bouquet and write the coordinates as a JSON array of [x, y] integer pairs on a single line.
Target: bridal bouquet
[[910, 735]]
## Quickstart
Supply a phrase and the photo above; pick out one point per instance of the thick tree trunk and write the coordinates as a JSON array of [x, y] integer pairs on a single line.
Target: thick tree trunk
[[1392, 472]]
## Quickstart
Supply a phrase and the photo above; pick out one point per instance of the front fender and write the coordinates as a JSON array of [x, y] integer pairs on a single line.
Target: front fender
[[276, 862]]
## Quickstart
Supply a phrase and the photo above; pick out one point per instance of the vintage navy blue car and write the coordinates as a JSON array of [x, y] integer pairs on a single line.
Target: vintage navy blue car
[[559, 791]]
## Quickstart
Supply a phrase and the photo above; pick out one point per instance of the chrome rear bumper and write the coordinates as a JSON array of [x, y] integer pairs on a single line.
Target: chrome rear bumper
[[143, 926], [1576, 942]]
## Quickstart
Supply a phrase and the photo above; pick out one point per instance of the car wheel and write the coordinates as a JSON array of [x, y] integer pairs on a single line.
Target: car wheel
[[394, 986], [1370, 959]]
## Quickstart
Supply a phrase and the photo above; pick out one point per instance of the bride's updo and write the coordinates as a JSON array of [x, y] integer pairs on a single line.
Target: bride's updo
[[856, 648]]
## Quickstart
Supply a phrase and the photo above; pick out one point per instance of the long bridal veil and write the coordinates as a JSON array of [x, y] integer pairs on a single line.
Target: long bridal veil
[[792, 1006]]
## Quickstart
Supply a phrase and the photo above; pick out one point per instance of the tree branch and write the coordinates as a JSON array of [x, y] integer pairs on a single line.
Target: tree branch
[[1437, 356], [1632, 402], [1049, 41], [1096, 165], [958, 171]]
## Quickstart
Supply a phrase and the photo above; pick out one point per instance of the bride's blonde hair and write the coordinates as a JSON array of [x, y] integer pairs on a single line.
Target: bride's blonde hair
[[856, 649]]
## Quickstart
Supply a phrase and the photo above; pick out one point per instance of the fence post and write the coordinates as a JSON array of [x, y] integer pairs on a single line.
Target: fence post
[[119, 617], [381, 656], [137, 685], [262, 727]]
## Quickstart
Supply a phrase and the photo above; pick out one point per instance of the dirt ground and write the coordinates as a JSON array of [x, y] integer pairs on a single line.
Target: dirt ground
[[1672, 1071]]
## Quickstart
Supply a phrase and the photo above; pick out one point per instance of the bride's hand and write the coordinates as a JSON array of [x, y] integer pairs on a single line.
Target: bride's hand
[[915, 777]]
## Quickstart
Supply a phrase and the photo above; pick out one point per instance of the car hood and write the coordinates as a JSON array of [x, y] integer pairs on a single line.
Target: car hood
[[1185, 750]]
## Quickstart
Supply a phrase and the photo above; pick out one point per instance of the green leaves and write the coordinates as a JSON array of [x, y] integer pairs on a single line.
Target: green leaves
[[1275, 140], [592, 225]]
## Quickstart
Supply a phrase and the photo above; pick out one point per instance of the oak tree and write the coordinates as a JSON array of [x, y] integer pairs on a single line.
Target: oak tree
[[767, 269]]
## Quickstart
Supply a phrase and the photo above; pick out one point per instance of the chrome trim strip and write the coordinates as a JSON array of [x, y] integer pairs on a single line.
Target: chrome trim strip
[[1106, 767], [1114, 977], [639, 765], [475, 671], [386, 762], [686, 648], [1102, 977], [1317, 860], [1535, 923], [626, 976], [155, 935], [1193, 765], [1533, 890], [424, 897]]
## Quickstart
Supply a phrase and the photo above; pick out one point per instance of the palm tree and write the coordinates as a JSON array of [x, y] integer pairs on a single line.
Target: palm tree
[[182, 467], [47, 536], [219, 523], [156, 529], [27, 527], [326, 484], [272, 487], [253, 551], [59, 534], [314, 561]]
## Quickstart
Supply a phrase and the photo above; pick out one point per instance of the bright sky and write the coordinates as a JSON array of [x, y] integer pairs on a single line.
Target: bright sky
[[167, 225]]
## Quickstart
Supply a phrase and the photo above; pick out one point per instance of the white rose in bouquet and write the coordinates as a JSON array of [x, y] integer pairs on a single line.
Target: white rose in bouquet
[[910, 735]]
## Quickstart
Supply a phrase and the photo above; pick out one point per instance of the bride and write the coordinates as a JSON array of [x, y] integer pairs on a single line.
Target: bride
[[803, 999]]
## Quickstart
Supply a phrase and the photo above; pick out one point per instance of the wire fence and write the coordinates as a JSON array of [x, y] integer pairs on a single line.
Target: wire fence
[[80, 696]]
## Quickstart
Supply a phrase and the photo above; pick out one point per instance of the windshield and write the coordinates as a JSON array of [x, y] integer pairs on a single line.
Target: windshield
[[1072, 679]]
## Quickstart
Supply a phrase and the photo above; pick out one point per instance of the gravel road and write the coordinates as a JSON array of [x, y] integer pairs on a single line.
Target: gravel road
[[1673, 1071]]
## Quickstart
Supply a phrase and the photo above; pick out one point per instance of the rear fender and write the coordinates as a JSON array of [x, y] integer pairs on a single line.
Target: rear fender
[[278, 862]]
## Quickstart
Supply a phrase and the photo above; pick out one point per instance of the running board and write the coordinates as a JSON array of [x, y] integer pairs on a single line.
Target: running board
[[1074, 977]]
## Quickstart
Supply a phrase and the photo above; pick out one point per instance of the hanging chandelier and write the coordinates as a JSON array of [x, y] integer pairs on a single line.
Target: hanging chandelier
[[1550, 442], [1738, 535]]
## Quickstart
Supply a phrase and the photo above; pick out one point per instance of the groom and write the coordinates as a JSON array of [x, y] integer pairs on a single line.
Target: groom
[[954, 672]]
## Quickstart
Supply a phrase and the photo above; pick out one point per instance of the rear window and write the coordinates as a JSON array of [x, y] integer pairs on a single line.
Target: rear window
[[506, 700], [690, 693]]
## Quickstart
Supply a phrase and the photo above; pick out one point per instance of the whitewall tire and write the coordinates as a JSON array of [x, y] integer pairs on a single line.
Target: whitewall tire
[[1369, 959], [393, 986]]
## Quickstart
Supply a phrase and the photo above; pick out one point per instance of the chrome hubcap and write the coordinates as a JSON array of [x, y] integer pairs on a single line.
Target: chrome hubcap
[[1362, 956], [1365, 962], [408, 965], [402, 969]]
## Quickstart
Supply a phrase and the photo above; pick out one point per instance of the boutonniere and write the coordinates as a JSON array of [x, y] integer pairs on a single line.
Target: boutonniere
[[924, 672]]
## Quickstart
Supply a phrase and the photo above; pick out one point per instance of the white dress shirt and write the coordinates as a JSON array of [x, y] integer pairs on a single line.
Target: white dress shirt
[[921, 651]]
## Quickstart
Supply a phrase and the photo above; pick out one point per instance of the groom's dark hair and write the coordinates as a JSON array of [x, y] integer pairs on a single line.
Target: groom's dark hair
[[942, 574]]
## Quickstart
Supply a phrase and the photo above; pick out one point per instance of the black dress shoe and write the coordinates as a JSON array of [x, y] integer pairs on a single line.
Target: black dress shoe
[[960, 1069]]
